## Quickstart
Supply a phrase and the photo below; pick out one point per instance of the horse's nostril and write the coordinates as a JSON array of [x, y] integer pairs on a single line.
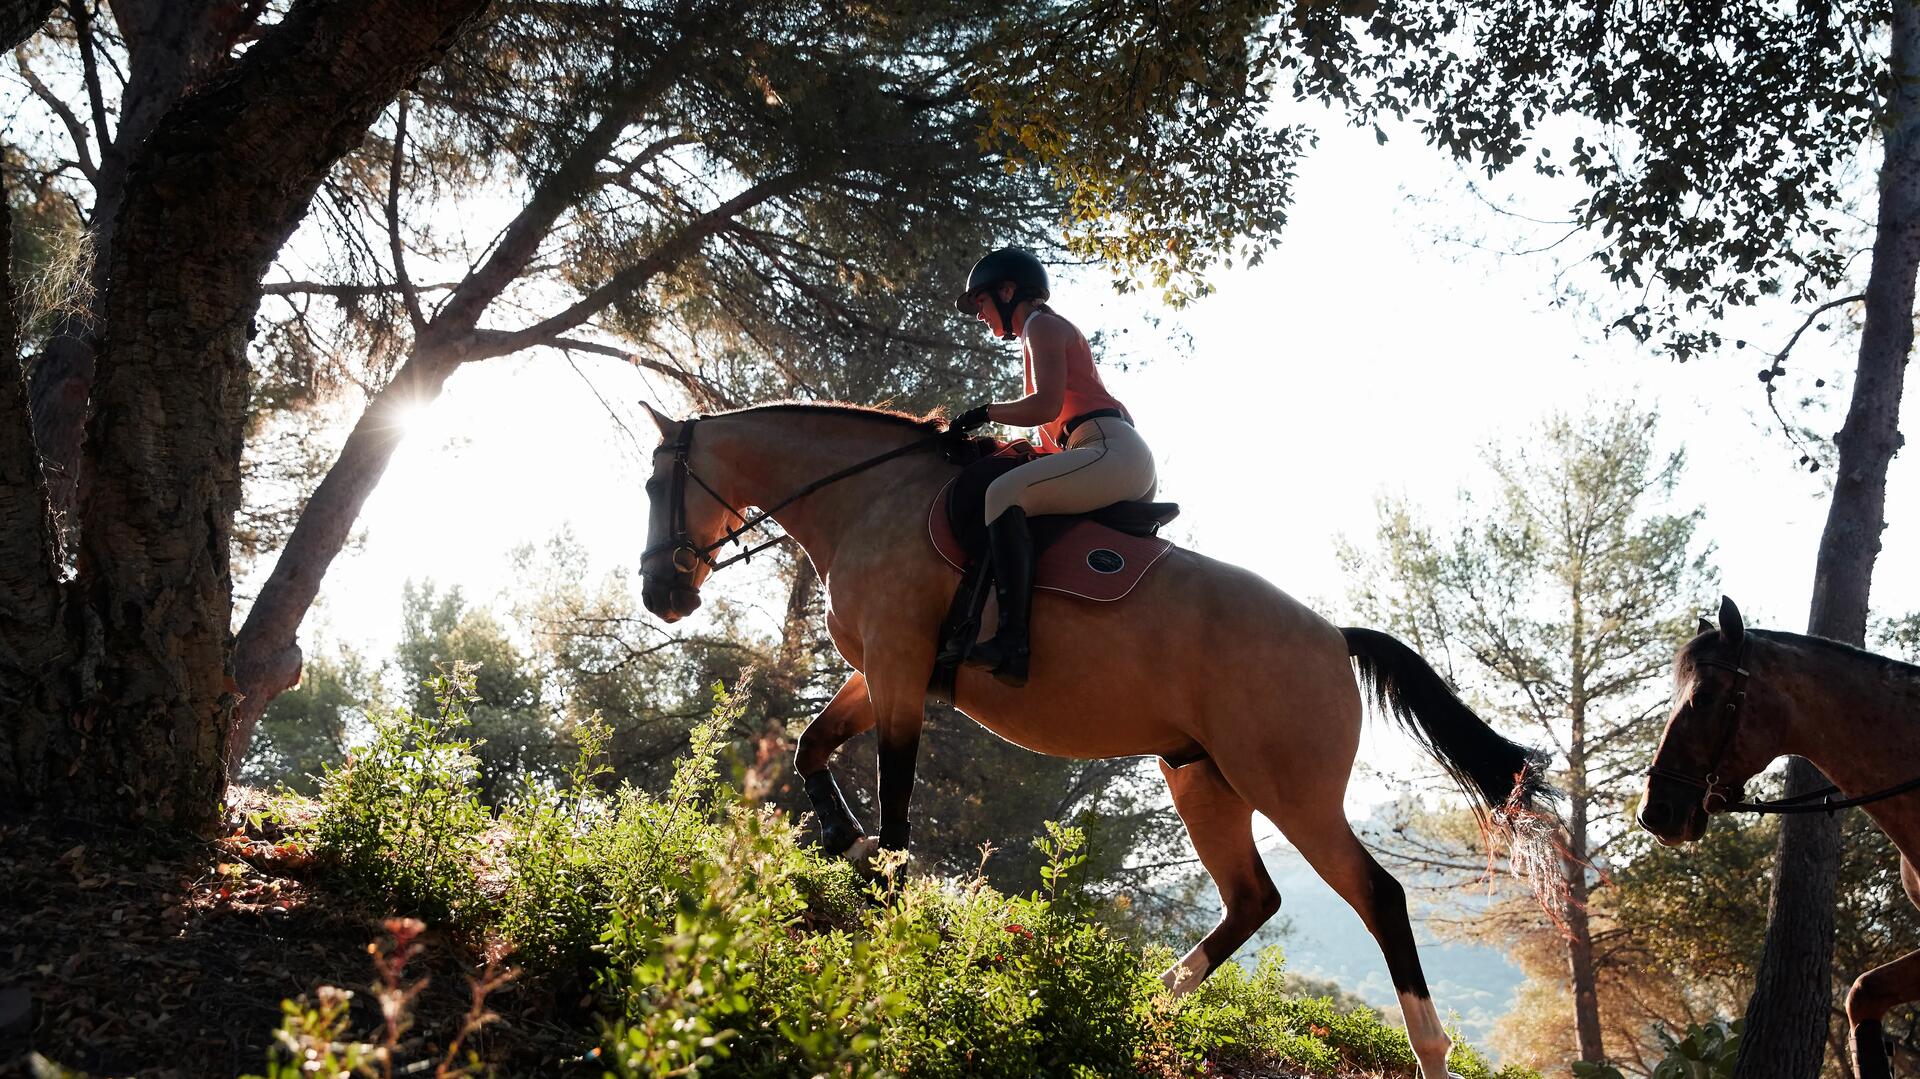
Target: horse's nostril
[[1655, 816]]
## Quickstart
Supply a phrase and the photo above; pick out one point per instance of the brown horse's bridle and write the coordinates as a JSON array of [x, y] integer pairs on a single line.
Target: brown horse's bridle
[[1711, 787], [685, 556]]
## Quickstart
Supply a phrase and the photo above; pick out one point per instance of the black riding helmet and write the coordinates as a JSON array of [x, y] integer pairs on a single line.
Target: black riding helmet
[[1007, 264]]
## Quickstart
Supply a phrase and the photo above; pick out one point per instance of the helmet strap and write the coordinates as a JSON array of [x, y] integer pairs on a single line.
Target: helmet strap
[[1006, 309]]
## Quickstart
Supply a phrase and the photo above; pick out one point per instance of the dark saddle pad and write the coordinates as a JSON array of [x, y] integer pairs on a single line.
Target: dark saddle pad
[[967, 512]]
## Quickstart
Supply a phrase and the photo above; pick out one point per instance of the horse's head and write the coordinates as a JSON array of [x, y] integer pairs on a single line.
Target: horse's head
[[684, 520], [1711, 746]]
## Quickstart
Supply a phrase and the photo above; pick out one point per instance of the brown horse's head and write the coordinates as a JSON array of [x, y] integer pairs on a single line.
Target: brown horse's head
[[1710, 748], [684, 520]]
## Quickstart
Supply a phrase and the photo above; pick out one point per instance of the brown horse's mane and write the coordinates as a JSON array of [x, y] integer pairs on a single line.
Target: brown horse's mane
[[1874, 660], [932, 424]]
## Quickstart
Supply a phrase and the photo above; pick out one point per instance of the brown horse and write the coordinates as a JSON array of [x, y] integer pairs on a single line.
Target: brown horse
[[1248, 697], [1745, 697]]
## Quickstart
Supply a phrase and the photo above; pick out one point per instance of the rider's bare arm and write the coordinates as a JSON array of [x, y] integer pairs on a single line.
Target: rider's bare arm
[[1047, 340]]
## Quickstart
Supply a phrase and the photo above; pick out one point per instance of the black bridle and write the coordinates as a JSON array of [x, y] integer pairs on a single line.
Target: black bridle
[[1710, 787], [685, 556]]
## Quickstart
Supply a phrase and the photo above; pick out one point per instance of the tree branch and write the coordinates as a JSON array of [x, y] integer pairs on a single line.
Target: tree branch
[[83, 30], [694, 384], [342, 292], [76, 130], [1780, 359], [663, 257], [408, 295]]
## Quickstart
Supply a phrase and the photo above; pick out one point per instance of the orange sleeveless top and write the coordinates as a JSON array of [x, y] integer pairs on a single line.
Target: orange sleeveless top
[[1085, 392]]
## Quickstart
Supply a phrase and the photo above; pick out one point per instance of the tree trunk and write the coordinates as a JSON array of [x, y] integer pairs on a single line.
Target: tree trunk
[[31, 597], [169, 47], [266, 653], [211, 195], [1580, 969], [268, 656], [1787, 1018], [32, 603], [1580, 965]]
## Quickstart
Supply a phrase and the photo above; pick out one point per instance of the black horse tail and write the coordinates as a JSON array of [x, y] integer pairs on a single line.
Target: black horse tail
[[1504, 779]]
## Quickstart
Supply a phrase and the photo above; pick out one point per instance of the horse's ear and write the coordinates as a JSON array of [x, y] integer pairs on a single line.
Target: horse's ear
[[1730, 625], [661, 420], [1704, 627]]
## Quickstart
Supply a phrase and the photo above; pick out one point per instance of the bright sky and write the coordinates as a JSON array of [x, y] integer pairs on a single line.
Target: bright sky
[[1368, 356]]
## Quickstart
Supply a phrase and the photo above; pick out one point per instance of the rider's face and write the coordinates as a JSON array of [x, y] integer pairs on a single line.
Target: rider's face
[[988, 312]]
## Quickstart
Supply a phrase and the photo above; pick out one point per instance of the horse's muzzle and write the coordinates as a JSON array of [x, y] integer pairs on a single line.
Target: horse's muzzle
[[668, 603], [1674, 815]]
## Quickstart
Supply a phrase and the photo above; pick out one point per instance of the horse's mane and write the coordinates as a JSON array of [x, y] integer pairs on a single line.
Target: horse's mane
[[1841, 649], [929, 424]]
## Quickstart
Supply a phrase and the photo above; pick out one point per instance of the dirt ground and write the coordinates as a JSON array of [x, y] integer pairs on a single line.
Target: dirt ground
[[137, 954]]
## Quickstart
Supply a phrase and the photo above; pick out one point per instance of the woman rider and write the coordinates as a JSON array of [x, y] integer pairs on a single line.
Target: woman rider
[[1091, 455]]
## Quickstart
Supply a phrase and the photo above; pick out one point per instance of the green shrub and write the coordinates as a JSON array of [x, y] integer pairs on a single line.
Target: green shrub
[[1707, 1052], [716, 943], [401, 815]]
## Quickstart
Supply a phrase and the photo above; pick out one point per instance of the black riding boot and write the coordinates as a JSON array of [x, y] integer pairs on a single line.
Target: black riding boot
[[1006, 654]]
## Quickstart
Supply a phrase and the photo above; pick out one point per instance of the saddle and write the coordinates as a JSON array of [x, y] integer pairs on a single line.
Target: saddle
[[1099, 555], [965, 505]]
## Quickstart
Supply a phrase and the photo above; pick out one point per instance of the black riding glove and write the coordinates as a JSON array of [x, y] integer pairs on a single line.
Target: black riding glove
[[970, 419]]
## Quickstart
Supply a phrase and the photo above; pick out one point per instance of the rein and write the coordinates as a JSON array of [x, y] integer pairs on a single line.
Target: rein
[[1710, 787], [684, 555]]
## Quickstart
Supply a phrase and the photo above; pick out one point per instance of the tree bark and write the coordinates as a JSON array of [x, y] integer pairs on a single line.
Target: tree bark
[[1580, 963], [31, 597], [1580, 967], [211, 195], [1788, 1015], [19, 19], [32, 600], [169, 47]]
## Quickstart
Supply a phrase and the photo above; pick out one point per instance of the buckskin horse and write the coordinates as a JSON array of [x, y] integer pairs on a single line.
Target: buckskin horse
[[1248, 698], [1744, 697]]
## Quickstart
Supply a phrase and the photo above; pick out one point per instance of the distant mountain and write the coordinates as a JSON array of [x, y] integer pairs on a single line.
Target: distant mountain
[[1472, 985]]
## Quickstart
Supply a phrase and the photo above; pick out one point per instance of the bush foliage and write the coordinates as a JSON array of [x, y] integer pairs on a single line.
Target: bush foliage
[[717, 943]]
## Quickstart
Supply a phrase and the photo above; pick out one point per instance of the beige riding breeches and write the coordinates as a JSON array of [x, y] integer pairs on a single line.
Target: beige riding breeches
[[1105, 461]]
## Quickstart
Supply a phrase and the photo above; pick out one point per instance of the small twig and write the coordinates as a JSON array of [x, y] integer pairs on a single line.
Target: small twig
[[1777, 368]]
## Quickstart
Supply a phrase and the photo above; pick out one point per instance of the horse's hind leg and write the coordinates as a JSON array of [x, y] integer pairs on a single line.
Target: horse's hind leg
[[1877, 992], [848, 714], [1220, 824], [1326, 841], [1874, 994]]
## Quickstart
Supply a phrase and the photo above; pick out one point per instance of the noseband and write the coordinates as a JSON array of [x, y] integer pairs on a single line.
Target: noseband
[[682, 553], [685, 556], [1712, 798]]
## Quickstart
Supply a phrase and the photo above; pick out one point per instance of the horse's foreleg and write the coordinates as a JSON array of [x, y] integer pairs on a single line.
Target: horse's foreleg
[[849, 713], [900, 715], [1220, 824], [1874, 994]]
